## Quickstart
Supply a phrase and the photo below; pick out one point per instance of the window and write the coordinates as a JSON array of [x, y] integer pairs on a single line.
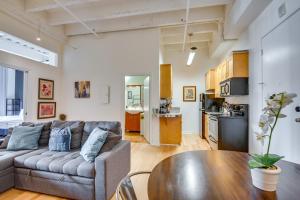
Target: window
[[11, 97], [17, 46]]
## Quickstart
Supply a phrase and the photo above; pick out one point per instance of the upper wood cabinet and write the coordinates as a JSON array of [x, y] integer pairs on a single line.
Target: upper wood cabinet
[[218, 75], [166, 81], [237, 64], [224, 71], [210, 80]]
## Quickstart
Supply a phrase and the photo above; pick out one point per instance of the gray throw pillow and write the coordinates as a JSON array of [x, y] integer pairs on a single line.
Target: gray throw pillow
[[111, 141], [60, 139], [76, 131], [92, 146], [45, 135], [24, 137]]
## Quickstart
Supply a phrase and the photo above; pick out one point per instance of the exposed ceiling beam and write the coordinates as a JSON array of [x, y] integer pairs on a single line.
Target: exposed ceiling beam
[[178, 47], [113, 10], [37, 21], [241, 14], [192, 28], [178, 39], [75, 17], [186, 23], [42, 5], [196, 15]]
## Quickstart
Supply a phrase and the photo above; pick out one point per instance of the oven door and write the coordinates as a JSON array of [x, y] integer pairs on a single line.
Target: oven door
[[213, 132], [213, 143]]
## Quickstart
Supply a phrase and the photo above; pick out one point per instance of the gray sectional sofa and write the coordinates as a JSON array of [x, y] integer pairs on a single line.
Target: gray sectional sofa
[[67, 174]]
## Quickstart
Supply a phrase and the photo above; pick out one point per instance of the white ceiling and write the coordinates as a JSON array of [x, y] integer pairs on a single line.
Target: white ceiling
[[176, 18]]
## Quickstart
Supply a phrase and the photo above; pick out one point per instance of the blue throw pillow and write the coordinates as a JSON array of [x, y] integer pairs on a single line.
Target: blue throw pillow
[[24, 138], [93, 144], [60, 139]]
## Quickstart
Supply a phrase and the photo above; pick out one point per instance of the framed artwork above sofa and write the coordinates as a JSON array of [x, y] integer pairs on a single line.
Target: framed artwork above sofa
[[46, 89], [46, 110]]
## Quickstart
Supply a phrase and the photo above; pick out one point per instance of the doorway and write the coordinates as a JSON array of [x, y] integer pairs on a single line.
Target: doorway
[[137, 108]]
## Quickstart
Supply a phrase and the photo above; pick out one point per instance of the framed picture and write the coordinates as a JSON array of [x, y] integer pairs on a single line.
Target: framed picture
[[82, 89], [46, 89], [46, 110], [129, 94], [189, 93]]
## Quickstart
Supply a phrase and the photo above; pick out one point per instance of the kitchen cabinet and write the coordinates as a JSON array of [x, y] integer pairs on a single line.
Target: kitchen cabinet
[[210, 80], [224, 71], [237, 64], [217, 82], [170, 130], [166, 81], [132, 122], [206, 126]]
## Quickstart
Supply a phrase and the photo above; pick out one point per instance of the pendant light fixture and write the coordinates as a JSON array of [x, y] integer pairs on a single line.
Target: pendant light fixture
[[192, 52]]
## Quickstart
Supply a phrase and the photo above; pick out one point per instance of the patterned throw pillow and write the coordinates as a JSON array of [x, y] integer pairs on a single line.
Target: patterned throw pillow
[[60, 139], [93, 144]]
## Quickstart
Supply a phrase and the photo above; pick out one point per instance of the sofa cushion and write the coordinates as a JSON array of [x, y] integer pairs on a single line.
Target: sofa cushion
[[76, 130], [45, 135], [7, 157], [93, 144], [6, 139], [89, 126], [60, 139], [111, 140], [24, 137], [71, 163]]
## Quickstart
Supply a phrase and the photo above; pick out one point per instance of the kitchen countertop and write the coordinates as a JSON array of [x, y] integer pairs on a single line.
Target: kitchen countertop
[[169, 114], [223, 115]]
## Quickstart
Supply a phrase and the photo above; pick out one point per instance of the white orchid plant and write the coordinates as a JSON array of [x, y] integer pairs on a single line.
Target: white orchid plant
[[268, 120]]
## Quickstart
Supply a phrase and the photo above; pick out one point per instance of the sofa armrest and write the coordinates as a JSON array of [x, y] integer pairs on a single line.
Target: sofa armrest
[[110, 168]]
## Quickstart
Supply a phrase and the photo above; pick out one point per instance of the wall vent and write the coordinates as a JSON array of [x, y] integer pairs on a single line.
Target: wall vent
[[282, 10]]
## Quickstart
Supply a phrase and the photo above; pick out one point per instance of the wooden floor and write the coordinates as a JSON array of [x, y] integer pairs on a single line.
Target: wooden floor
[[135, 137], [143, 157]]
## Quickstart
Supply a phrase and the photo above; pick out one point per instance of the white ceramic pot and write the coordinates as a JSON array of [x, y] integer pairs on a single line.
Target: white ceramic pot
[[265, 179]]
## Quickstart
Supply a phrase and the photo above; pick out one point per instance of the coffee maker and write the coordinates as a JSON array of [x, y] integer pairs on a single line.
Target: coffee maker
[[165, 106]]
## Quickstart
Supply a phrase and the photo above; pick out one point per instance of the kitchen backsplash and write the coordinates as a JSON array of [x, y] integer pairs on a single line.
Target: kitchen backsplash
[[237, 100]]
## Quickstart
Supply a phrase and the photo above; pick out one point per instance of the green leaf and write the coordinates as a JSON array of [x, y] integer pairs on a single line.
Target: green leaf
[[271, 159], [263, 161], [254, 164], [257, 158]]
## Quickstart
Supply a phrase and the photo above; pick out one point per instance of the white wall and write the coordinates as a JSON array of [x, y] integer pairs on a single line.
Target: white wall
[[188, 76], [106, 61], [35, 69], [251, 40]]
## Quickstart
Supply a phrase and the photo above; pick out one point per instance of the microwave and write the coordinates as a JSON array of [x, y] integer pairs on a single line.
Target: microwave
[[234, 87]]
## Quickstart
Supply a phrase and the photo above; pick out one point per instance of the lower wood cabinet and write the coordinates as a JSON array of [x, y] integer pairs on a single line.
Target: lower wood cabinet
[[170, 130], [206, 127], [133, 122]]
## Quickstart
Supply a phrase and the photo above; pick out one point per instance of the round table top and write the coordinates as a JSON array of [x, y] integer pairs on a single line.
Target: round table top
[[216, 175]]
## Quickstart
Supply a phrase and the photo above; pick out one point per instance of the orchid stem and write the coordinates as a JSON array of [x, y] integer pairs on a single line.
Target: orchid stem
[[272, 128]]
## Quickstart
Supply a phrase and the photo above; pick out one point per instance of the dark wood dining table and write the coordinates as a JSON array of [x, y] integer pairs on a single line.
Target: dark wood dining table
[[213, 175]]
